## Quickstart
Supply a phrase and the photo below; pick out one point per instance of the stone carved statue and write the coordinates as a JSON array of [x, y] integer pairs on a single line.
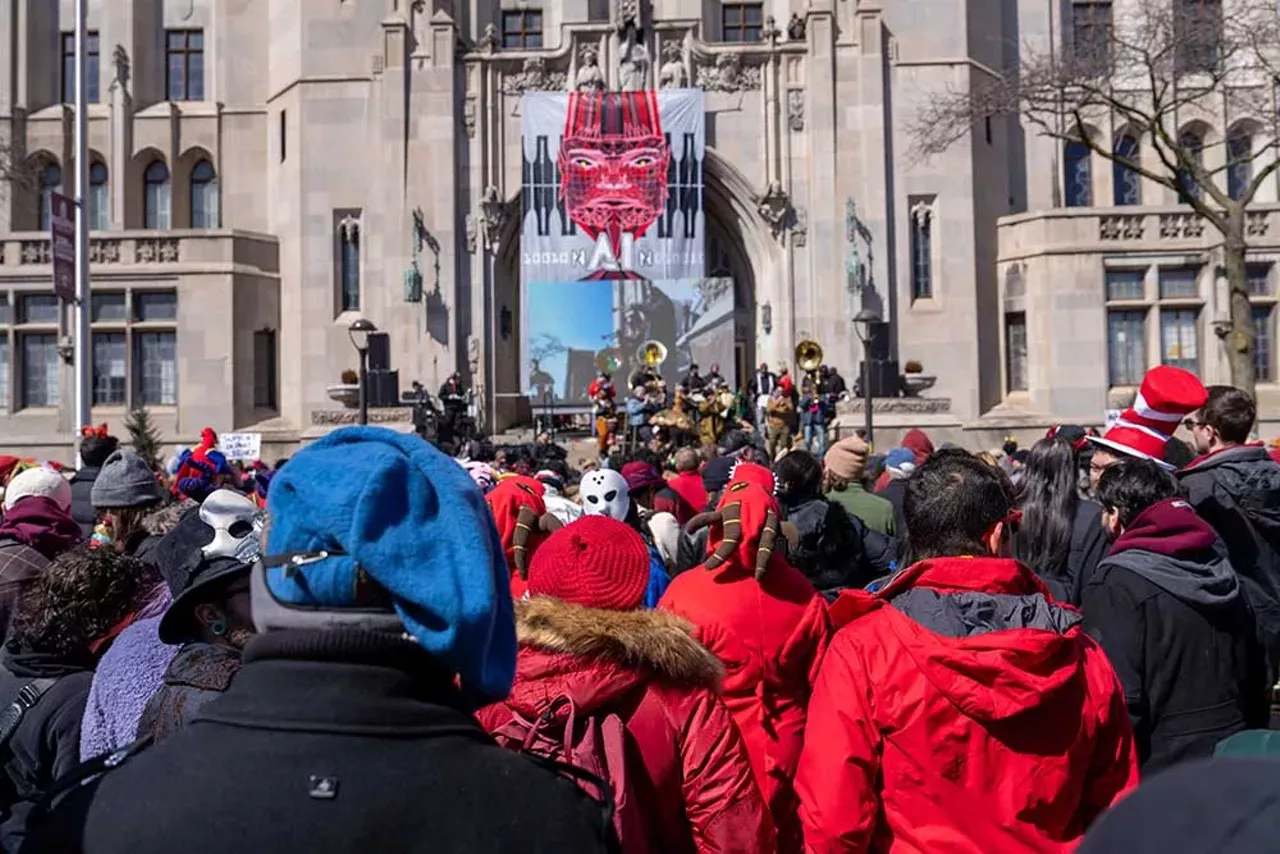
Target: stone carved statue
[[633, 65], [589, 78], [673, 74], [628, 15], [795, 29]]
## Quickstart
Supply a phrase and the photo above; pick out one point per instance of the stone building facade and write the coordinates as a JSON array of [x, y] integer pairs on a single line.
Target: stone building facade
[[264, 172]]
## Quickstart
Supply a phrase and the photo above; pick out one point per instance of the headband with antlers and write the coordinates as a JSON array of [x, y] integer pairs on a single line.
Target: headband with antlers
[[522, 519], [744, 529]]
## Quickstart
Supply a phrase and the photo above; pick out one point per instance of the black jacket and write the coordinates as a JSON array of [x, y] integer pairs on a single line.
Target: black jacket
[[1180, 636], [328, 741], [82, 499], [1237, 491], [837, 551], [895, 492], [46, 743]]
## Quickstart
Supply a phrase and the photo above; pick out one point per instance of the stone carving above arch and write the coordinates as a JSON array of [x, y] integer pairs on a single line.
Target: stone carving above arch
[[674, 73], [726, 72], [534, 76]]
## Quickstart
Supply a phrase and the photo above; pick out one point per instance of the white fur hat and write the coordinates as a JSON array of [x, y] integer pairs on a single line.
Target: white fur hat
[[37, 482]]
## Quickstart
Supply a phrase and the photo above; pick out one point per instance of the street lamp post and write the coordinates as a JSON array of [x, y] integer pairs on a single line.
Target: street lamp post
[[359, 332], [864, 323]]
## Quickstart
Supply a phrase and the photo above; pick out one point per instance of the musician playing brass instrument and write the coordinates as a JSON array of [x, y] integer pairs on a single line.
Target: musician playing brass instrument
[[779, 411]]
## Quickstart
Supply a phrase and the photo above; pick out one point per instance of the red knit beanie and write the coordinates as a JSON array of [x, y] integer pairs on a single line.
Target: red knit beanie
[[595, 562]]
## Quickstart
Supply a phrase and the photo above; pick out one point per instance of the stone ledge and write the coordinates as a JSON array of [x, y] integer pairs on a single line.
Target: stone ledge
[[339, 417], [897, 405]]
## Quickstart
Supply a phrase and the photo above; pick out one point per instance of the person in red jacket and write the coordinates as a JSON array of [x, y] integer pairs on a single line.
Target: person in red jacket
[[960, 708], [523, 523], [767, 625], [587, 650]]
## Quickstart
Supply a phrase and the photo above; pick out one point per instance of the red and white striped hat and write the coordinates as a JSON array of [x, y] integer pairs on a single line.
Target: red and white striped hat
[[1167, 396]]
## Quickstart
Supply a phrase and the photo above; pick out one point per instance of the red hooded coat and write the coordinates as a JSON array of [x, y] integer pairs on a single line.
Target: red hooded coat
[[690, 765], [961, 711], [770, 636]]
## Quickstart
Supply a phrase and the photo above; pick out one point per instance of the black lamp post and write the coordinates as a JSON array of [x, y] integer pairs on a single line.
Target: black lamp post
[[359, 332], [864, 323]]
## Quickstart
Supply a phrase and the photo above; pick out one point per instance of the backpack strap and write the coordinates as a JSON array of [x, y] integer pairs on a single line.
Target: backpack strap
[[28, 696]]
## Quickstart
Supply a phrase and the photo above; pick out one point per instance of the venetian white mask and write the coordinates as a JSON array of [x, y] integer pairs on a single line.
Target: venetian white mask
[[236, 523]]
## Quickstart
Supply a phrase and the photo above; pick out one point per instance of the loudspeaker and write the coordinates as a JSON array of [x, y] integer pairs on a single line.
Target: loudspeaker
[[379, 351], [879, 333], [384, 388]]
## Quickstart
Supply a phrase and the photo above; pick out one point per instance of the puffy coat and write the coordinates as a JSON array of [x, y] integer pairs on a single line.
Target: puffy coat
[[770, 636], [690, 764], [960, 710], [837, 550]]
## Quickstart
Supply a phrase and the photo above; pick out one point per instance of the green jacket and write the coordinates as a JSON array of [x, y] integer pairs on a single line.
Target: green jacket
[[875, 511]]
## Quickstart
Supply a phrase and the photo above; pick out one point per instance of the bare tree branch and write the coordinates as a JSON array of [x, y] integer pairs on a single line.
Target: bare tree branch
[[1157, 71]]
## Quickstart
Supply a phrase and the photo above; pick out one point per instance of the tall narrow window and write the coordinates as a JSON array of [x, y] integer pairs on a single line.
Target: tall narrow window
[[1179, 341], [284, 135], [1126, 346], [39, 369], [50, 183], [1078, 174], [1126, 182], [348, 252], [264, 369], [156, 198], [1239, 164], [4, 373], [157, 360], [204, 196], [522, 29], [99, 198], [1192, 145], [184, 65], [1263, 323], [1197, 35], [922, 250], [110, 370], [90, 67], [741, 23], [1091, 33], [1015, 343]]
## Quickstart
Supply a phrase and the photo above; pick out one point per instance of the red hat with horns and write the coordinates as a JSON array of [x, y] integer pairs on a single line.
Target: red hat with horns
[[744, 530], [523, 523]]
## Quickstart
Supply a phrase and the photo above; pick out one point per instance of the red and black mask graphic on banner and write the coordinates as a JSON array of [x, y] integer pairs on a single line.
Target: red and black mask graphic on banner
[[613, 164]]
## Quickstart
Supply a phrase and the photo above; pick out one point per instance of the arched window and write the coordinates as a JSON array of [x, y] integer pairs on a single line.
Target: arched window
[[1192, 145], [50, 183], [349, 262], [1126, 183], [156, 198], [1239, 163], [1077, 178], [99, 197], [204, 196]]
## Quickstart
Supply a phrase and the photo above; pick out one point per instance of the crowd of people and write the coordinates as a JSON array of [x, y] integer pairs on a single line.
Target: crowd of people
[[701, 409], [375, 645]]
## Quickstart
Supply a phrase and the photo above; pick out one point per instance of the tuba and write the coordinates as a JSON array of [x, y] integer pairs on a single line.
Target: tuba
[[808, 356], [651, 353]]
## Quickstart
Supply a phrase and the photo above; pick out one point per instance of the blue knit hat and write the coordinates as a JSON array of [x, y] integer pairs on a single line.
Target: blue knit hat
[[391, 507]]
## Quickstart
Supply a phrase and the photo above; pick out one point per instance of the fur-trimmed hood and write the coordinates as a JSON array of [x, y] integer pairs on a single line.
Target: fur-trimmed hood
[[594, 655]]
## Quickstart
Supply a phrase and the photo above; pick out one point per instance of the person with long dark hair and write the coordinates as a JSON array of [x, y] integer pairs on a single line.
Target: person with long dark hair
[[1061, 535]]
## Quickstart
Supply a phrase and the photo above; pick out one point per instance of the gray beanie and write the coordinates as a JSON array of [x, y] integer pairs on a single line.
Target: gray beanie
[[125, 481]]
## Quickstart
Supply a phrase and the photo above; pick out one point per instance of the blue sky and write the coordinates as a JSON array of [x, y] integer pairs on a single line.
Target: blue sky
[[579, 314]]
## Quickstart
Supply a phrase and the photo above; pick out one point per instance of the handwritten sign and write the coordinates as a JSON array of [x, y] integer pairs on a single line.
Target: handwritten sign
[[244, 447]]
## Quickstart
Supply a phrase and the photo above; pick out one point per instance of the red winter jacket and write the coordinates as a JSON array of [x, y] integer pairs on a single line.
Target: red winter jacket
[[770, 635], [960, 710], [645, 666]]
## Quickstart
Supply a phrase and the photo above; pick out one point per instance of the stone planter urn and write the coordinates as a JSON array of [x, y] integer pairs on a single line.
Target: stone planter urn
[[348, 394], [914, 384]]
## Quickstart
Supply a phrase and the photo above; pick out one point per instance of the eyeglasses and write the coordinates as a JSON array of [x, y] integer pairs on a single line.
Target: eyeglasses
[[1191, 423]]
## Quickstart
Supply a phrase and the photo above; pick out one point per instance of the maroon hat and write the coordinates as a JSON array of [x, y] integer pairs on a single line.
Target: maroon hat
[[641, 475], [595, 562]]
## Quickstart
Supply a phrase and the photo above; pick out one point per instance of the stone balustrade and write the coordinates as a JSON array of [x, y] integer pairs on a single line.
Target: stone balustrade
[[1105, 230], [22, 254]]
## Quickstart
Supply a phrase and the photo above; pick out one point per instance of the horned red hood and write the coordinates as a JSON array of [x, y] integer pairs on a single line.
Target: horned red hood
[[505, 501]]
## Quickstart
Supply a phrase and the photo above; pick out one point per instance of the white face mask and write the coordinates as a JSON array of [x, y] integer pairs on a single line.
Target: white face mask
[[236, 523], [604, 493]]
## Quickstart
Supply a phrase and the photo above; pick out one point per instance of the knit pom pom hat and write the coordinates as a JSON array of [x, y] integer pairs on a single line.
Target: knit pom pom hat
[[38, 482], [367, 518], [595, 562]]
